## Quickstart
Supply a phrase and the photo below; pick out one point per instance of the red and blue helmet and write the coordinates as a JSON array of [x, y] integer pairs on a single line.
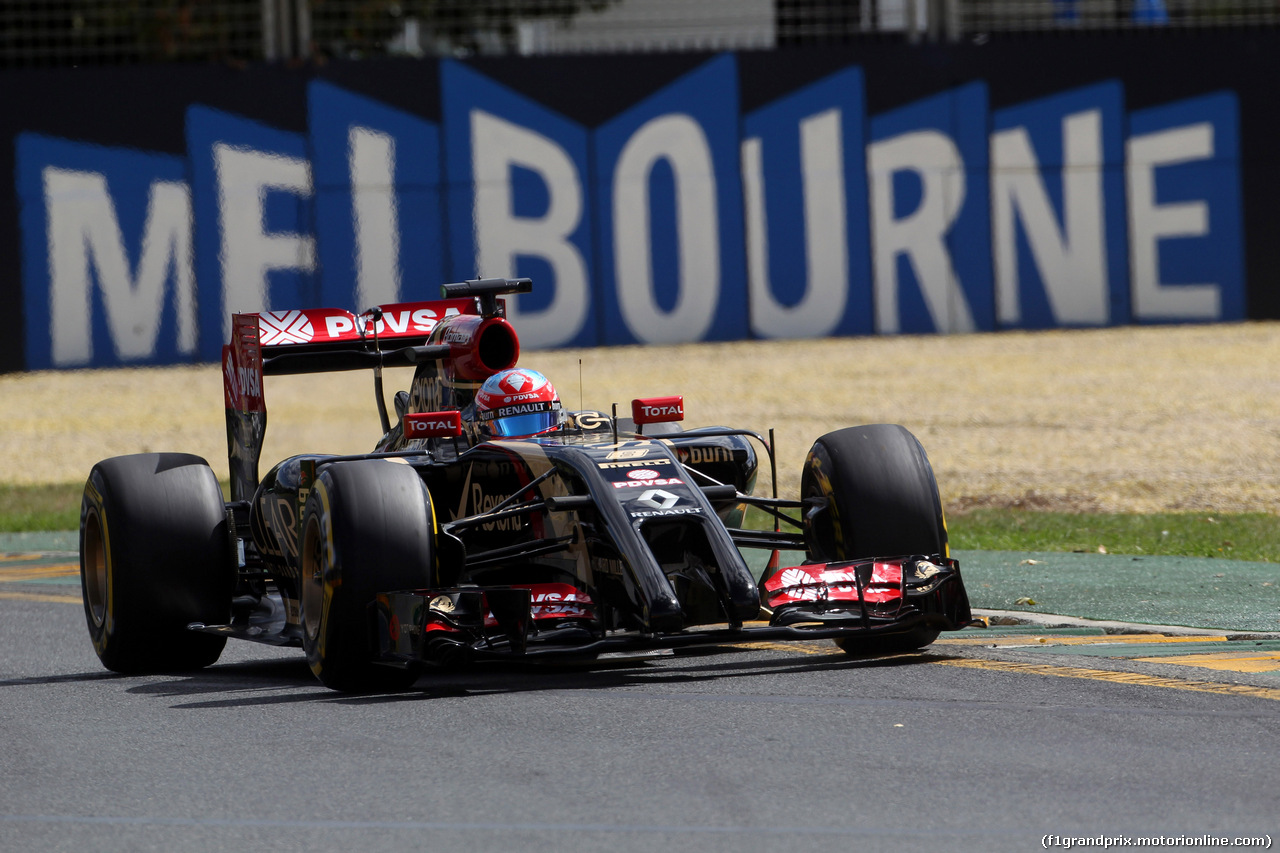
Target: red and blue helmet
[[517, 403]]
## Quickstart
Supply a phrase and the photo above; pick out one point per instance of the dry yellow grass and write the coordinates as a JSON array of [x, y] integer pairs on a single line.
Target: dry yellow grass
[[1122, 420]]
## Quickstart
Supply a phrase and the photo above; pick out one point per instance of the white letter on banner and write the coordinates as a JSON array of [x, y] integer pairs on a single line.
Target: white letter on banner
[[1149, 222], [1072, 261], [922, 235], [83, 230], [373, 208], [679, 140], [826, 250], [248, 252], [496, 146]]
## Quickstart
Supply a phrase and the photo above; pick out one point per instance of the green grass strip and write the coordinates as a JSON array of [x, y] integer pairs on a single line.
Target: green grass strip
[[1254, 537], [36, 508], [1247, 536]]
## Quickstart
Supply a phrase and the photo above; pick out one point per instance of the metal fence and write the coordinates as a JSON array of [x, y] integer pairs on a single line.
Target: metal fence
[[95, 32], [84, 32]]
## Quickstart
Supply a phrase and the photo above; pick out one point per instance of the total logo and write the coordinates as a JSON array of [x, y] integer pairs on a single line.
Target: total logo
[[663, 411], [633, 484], [427, 427], [432, 424]]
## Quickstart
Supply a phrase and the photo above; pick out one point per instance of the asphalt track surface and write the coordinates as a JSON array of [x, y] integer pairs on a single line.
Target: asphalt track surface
[[990, 739]]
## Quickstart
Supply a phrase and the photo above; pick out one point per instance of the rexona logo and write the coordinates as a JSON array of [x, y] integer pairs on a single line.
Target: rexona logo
[[474, 501]]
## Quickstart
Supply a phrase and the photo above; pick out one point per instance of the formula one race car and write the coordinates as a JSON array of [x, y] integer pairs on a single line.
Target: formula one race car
[[490, 523]]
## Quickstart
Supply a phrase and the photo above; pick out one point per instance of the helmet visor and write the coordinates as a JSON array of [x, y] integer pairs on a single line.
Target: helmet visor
[[519, 425]]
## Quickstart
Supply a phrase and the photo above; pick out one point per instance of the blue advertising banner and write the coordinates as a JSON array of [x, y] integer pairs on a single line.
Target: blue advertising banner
[[519, 204], [252, 191], [108, 278], [669, 214], [809, 275], [652, 199], [1185, 228], [1058, 196], [927, 164], [378, 224]]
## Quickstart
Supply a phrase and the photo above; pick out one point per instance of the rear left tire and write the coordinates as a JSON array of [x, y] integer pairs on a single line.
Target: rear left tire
[[154, 557]]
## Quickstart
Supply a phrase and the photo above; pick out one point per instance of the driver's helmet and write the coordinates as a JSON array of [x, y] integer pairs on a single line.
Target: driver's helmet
[[517, 403]]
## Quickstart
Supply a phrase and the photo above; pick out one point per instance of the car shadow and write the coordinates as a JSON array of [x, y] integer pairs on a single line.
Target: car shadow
[[64, 678], [279, 682]]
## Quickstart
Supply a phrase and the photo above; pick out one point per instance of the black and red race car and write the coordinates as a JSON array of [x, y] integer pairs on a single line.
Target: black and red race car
[[455, 541]]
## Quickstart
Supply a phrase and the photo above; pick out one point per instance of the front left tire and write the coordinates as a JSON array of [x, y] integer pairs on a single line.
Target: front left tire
[[368, 528]]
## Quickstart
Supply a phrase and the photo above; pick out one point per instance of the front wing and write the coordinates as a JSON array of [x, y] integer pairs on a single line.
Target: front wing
[[847, 600]]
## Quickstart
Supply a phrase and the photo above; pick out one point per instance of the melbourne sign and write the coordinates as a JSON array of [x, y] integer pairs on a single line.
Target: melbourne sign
[[699, 209]]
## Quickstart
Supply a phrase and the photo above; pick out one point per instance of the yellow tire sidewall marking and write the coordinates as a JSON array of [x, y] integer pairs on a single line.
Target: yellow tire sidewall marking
[[327, 560]]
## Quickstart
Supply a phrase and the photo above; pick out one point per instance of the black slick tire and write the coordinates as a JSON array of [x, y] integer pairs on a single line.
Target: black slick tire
[[368, 528], [878, 498], [155, 556]]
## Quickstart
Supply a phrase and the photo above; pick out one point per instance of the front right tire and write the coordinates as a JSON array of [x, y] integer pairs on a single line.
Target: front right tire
[[877, 497]]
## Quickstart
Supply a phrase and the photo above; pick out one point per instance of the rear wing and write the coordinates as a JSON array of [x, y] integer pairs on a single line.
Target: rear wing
[[321, 340], [296, 341]]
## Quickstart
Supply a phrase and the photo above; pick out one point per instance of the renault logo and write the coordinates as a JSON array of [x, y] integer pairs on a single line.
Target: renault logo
[[658, 499]]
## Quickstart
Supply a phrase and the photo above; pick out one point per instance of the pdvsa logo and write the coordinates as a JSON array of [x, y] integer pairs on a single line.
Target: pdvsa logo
[[250, 382], [229, 371], [634, 484], [241, 381]]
